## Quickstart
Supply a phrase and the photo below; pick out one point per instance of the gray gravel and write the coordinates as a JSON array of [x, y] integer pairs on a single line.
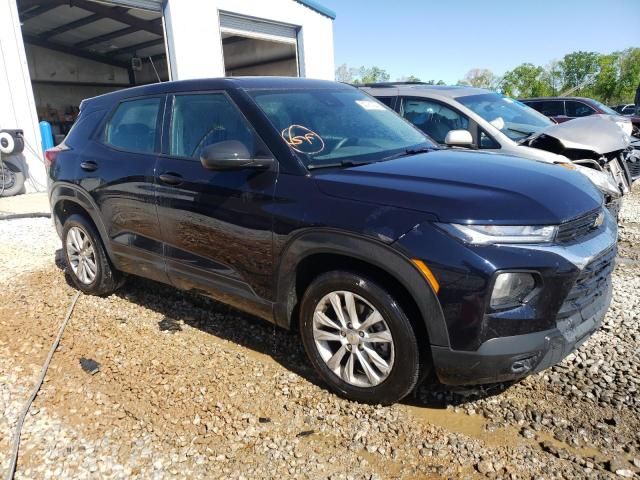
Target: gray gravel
[[189, 388]]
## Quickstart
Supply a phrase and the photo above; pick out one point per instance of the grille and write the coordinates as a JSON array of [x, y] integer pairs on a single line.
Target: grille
[[592, 283], [634, 168], [577, 228]]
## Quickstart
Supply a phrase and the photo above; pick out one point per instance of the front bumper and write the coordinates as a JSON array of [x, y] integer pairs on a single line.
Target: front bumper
[[486, 346], [511, 358]]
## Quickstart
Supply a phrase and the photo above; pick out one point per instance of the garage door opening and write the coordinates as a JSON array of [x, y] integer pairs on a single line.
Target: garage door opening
[[80, 49], [255, 47]]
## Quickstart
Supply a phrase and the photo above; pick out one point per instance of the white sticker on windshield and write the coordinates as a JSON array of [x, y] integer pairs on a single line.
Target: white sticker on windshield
[[369, 105]]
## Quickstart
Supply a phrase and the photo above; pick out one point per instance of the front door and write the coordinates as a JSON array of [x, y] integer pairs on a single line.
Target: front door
[[216, 225]]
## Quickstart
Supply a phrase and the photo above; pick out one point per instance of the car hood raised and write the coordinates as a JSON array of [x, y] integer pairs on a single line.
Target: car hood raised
[[462, 186], [598, 133]]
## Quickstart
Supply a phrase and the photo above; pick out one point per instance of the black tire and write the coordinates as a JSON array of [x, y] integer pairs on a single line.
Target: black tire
[[405, 371], [107, 279], [11, 180]]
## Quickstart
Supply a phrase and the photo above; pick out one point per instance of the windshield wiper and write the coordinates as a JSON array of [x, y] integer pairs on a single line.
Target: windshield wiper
[[350, 163], [408, 152], [343, 163]]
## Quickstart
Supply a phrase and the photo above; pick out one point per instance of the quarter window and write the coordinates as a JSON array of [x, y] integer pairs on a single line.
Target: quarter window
[[433, 118], [134, 126], [486, 141], [388, 101], [204, 119], [578, 109]]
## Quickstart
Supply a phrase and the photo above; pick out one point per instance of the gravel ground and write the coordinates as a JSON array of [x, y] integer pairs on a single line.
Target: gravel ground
[[189, 388]]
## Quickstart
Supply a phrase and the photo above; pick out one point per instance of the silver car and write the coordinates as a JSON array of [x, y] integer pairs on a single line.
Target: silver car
[[476, 118]]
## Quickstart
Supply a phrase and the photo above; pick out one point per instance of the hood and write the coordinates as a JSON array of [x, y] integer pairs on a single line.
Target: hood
[[598, 133], [463, 187]]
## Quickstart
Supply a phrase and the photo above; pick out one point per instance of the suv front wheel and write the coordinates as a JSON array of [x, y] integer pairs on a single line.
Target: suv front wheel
[[87, 261], [358, 338]]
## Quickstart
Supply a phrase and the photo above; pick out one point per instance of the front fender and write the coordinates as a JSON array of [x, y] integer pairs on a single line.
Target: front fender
[[375, 253]]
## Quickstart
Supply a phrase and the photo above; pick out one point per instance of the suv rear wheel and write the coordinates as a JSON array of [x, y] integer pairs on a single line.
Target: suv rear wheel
[[358, 338], [89, 266]]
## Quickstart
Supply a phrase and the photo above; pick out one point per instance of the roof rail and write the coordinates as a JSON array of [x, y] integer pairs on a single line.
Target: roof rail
[[389, 84]]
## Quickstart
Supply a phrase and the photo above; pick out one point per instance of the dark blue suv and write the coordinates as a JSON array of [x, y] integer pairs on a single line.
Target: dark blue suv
[[314, 206]]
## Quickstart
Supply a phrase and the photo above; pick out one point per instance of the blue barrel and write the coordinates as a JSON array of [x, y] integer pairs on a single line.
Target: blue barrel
[[47, 135]]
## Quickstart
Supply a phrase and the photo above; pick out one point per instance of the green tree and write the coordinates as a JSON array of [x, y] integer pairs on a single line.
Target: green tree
[[629, 77], [526, 80], [606, 81], [372, 75], [553, 76], [345, 74], [576, 68], [479, 77], [410, 79]]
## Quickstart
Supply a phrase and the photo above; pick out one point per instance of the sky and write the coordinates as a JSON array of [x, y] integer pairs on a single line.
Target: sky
[[443, 39]]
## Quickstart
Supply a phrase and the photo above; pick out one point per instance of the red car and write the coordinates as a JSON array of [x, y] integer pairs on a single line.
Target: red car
[[561, 109]]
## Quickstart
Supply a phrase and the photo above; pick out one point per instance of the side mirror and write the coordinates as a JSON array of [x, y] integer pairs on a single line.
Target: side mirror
[[231, 155], [459, 138]]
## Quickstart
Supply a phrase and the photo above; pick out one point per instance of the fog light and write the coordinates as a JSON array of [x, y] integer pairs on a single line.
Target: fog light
[[524, 365], [511, 288]]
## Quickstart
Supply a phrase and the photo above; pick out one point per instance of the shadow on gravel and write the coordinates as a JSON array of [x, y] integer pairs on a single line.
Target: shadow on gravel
[[284, 347], [431, 394]]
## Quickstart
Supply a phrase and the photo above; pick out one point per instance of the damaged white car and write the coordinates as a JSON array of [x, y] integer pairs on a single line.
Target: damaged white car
[[477, 118]]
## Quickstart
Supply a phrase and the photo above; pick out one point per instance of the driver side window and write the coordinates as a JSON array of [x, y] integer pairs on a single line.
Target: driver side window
[[433, 118], [199, 120]]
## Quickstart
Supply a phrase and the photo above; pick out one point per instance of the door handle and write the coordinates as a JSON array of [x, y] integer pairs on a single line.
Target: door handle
[[170, 178], [89, 166]]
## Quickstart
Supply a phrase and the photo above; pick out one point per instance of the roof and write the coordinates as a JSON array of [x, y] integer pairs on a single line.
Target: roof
[[451, 91], [222, 83], [321, 9], [586, 99]]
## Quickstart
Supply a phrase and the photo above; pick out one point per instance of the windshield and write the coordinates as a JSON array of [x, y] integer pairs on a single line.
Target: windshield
[[514, 119], [327, 126], [605, 109]]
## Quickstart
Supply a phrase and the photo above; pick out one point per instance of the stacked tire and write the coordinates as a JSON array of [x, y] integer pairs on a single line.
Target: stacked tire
[[11, 177]]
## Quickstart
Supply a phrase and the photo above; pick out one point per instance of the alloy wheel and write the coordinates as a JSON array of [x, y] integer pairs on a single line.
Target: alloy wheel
[[81, 254], [353, 339]]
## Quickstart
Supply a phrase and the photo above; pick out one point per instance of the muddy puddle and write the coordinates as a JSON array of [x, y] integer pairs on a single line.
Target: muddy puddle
[[475, 426]]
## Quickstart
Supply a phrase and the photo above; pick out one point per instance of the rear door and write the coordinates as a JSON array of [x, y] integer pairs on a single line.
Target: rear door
[[216, 225], [118, 170]]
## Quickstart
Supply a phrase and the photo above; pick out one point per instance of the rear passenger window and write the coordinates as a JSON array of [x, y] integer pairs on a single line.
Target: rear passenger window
[[204, 119], [578, 109], [134, 126], [551, 108]]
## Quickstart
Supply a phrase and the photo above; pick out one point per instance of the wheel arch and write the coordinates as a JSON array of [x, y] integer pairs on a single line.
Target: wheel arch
[[66, 200], [314, 252]]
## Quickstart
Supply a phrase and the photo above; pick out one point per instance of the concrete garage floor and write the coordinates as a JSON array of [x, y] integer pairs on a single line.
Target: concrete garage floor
[[29, 204], [189, 388]]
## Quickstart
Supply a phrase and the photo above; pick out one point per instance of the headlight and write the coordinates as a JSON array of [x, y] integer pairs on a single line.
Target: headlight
[[511, 288], [626, 126], [602, 180], [488, 234]]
